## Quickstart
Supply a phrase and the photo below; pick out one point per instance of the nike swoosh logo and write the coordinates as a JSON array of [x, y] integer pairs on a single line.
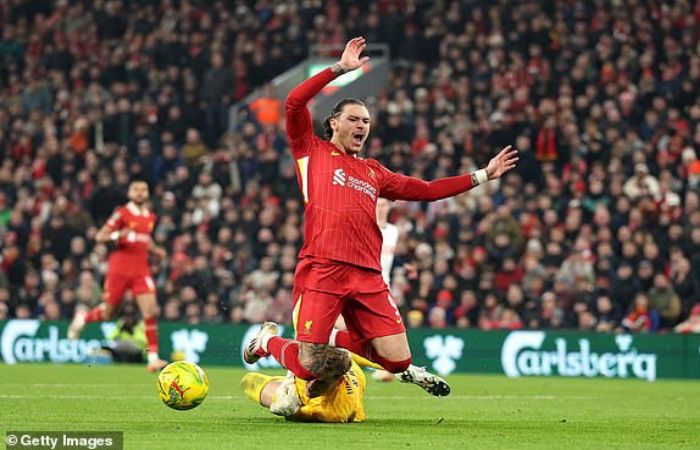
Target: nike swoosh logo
[[334, 153]]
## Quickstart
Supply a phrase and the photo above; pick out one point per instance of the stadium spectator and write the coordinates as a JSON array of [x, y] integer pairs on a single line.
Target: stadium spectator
[[642, 184], [267, 108], [684, 283], [551, 315], [607, 318], [217, 87], [664, 300], [194, 149], [641, 318]]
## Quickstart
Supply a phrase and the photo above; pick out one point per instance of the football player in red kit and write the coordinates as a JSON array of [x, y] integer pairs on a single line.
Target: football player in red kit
[[129, 228], [339, 264]]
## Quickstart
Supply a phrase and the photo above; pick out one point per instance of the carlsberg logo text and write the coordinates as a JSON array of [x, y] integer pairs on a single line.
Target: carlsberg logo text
[[20, 344], [522, 354]]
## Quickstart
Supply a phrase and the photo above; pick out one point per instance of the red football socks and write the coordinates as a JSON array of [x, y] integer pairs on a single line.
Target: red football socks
[[151, 326], [96, 314], [286, 352]]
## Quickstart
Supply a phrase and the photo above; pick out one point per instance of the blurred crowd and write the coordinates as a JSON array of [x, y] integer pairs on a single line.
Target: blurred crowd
[[597, 229]]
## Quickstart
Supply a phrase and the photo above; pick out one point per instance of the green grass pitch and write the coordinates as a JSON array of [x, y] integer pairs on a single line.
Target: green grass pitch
[[482, 412]]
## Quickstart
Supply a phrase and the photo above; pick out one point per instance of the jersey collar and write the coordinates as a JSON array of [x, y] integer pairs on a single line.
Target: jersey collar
[[135, 210]]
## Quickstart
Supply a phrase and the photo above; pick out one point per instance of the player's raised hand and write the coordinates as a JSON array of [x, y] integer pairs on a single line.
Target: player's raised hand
[[351, 59], [502, 163]]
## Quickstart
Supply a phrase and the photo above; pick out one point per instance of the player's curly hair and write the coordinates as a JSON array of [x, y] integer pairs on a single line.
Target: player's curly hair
[[325, 361], [328, 363], [335, 112], [338, 362]]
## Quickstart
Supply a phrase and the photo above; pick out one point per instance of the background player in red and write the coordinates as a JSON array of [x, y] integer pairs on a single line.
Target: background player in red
[[339, 264], [130, 228]]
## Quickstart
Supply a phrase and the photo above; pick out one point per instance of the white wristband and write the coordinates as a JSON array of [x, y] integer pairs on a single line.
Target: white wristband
[[114, 236], [481, 176]]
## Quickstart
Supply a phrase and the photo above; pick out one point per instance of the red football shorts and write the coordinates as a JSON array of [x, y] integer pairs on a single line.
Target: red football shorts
[[325, 289], [116, 285]]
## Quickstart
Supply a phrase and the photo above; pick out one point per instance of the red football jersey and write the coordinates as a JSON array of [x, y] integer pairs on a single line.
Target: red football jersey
[[340, 190], [130, 258]]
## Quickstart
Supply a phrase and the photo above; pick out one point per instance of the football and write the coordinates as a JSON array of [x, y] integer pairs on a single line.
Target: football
[[182, 385]]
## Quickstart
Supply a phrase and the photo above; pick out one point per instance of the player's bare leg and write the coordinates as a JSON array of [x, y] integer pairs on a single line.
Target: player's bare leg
[[378, 374], [396, 350], [429, 382], [83, 316], [149, 310], [77, 325], [396, 347], [392, 352]]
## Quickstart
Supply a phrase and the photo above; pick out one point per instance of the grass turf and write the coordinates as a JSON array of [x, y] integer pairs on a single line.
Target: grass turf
[[482, 412]]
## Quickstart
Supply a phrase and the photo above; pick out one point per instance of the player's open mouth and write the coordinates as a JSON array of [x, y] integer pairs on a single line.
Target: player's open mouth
[[357, 138]]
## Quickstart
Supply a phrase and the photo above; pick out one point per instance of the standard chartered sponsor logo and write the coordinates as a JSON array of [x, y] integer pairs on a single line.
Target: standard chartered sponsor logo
[[522, 354], [20, 344], [362, 186], [339, 177]]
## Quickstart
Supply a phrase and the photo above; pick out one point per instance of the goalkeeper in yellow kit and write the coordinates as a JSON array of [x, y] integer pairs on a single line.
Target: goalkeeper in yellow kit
[[343, 402], [288, 397]]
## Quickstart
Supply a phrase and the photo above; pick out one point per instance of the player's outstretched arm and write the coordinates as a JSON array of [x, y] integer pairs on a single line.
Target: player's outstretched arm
[[401, 187], [298, 117]]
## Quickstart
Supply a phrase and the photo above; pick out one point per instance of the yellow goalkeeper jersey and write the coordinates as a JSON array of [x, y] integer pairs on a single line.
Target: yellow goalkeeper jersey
[[343, 403]]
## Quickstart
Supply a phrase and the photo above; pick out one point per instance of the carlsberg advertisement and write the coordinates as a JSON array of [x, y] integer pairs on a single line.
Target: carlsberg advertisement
[[523, 354], [22, 341], [512, 353]]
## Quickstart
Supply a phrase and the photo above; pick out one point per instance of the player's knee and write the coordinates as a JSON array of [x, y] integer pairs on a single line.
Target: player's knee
[[148, 306], [396, 366]]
